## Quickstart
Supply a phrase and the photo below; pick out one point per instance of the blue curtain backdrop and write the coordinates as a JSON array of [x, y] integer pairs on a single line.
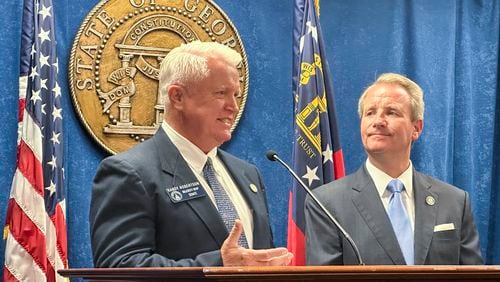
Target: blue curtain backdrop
[[451, 48]]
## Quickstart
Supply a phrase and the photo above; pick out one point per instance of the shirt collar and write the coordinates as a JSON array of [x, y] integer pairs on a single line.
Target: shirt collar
[[382, 179], [193, 155]]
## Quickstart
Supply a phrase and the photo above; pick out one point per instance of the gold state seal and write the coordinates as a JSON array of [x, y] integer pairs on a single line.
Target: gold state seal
[[115, 59]]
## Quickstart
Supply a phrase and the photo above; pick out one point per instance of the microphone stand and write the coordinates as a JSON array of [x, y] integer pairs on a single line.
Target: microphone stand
[[273, 156]]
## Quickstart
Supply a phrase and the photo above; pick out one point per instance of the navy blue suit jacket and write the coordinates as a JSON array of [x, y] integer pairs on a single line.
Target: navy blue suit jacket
[[135, 223], [356, 204]]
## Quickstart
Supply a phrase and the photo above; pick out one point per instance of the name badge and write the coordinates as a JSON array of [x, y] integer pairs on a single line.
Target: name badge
[[185, 192]]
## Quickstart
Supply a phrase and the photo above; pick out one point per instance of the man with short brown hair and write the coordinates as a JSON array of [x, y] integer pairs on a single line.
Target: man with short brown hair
[[395, 214]]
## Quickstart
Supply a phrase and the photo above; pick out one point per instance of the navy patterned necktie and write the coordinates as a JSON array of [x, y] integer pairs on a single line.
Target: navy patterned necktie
[[226, 208], [400, 220]]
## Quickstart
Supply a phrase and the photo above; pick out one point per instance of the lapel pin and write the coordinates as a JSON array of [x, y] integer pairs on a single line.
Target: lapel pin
[[253, 188], [430, 200]]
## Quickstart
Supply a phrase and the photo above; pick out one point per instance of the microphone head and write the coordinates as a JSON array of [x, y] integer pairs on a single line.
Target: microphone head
[[271, 155]]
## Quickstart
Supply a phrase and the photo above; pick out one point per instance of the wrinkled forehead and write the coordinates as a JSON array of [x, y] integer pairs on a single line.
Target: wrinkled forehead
[[220, 76], [218, 63], [386, 94]]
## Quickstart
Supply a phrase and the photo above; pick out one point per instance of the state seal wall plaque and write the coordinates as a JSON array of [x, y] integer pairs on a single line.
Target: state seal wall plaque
[[115, 60]]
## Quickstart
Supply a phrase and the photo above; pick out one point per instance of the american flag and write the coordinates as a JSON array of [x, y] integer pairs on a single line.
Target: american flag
[[35, 230], [317, 155]]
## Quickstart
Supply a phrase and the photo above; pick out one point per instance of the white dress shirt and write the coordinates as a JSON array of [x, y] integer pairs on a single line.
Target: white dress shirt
[[196, 160], [381, 180]]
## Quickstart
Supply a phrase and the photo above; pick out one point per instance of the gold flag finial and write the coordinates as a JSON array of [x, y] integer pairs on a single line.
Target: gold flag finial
[[5, 232], [316, 4]]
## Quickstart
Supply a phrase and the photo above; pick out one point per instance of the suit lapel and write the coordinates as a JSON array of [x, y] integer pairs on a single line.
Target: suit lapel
[[178, 170], [367, 201], [425, 216]]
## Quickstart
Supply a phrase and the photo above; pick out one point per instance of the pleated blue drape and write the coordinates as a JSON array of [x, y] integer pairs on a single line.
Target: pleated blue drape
[[451, 48]]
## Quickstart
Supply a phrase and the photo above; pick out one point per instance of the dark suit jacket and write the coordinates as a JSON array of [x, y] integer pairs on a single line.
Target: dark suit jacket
[[134, 222], [356, 204]]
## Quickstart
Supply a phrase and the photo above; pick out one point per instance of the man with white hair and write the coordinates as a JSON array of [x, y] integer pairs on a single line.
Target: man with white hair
[[177, 199]]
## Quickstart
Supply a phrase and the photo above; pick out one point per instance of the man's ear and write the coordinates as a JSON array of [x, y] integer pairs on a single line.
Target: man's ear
[[176, 94], [418, 126]]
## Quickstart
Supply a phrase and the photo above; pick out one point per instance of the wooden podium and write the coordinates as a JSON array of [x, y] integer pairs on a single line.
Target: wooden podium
[[291, 273]]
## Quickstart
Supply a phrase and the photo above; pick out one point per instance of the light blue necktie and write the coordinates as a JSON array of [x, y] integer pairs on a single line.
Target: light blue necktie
[[400, 220], [226, 208]]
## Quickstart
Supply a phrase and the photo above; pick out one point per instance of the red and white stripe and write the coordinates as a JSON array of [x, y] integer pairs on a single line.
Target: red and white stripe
[[36, 244]]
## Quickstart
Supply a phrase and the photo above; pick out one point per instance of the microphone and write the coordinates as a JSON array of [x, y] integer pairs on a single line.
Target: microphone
[[273, 156]]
